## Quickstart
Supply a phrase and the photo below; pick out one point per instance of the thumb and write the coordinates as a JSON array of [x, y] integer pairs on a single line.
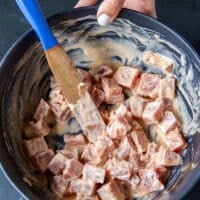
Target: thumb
[[108, 11]]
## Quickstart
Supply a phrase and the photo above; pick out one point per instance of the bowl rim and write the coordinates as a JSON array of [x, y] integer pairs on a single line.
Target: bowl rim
[[79, 12]]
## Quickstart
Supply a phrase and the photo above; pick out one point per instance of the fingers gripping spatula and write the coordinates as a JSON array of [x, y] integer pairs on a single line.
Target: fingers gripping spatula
[[63, 70]]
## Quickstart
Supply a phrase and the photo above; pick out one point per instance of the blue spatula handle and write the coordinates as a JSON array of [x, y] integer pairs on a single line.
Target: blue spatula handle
[[34, 15]]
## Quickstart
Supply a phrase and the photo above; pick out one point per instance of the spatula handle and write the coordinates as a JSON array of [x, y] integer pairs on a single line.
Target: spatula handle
[[33, 13]]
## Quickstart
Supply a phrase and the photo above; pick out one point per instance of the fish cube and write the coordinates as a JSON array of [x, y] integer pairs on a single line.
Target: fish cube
[[74, 140], [33, 146], [73, 169], [153, 112], [127, 76], [60, 186], [119, 169], [174, 140], [83, 187], [110, 191], [125, 148], [70, 153], [136, 105], [95, 174], [36, 129], [118, 128], [149, 85], [158, 60], [140, 139], [43, 111], [42, 159], [57, 164], [166, 157], [97, 96], [113, 92], [167, 88], [149, 181], [168, 122]]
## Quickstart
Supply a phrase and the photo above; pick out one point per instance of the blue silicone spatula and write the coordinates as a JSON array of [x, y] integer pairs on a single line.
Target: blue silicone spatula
[[59, 62]]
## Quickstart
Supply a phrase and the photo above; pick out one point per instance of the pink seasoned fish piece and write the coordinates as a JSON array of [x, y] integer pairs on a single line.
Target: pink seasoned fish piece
[[121, 111], [168, 122], [58, 104], [110, 191], [125, 148], [74, 140], [60, 186], [78, 148], [153, 112], [167, 88], [136, 105], [101, 71], [113, 92], [151, 150], [91, 156], [119, 169], [174, 140], [97, 96], [60, 110], [36, 129], [166, 157], [140, 139], [70, 153], [42, 159], [85, 188], [43, 111], [158, 60], [73, 169], [96, 154], [127, 76], [57, 164], [118, 128], [95, 174], [149, 181], [149, 85], [34, 146], [104, 145]]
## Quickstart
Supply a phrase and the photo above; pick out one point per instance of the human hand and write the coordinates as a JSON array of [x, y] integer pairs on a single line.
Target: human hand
[[109, 9]]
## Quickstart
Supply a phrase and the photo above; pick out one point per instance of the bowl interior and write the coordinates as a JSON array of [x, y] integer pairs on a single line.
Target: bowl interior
[[25, 76]]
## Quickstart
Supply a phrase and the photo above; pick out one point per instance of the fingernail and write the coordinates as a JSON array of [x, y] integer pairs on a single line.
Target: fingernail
[[77, 5], [103, 19]]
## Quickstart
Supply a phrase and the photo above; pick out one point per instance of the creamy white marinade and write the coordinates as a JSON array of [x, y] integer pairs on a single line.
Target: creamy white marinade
[[90, 45]]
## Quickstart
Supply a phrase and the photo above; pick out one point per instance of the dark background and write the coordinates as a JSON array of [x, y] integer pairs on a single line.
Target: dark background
[[181, 15]]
